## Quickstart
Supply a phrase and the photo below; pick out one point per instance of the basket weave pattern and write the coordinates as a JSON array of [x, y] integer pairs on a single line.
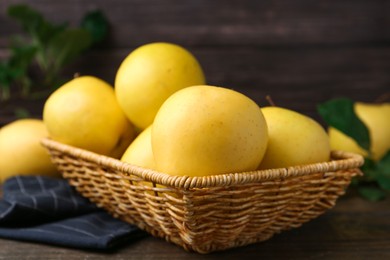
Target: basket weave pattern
[[206, 214]]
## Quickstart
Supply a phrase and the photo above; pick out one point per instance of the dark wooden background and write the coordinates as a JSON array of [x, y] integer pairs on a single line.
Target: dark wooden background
[[302, 52]]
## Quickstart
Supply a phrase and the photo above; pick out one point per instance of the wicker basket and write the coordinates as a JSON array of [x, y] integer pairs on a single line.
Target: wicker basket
[[206, 214]]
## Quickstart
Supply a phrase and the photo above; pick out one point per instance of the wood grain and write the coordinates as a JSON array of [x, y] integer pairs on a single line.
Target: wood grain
[[232, 22], [301, 52], [353, 229]]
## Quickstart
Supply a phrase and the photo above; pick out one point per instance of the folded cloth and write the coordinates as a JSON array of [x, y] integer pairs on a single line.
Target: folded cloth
[[49, 210]]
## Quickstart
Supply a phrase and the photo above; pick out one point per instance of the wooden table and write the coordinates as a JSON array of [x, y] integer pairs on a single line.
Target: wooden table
[[353, 229]]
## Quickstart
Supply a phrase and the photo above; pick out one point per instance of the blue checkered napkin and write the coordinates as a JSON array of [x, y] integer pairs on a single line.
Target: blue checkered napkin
[[48, 210]]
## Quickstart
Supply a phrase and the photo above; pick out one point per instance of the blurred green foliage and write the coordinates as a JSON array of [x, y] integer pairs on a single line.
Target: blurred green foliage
[[47, 46]]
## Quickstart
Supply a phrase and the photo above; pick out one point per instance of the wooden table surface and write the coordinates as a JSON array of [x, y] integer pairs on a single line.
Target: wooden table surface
[[353, 229]]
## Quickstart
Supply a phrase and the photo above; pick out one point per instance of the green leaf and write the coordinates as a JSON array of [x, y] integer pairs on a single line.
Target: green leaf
[[29, 18], [4, 74], [369, 169], [372, 193], [22, 56], [384, 164], [15, 71], [34, 23], [384, 182], [383, 172], [96, 24], [48, 45], [21, 112], [340, 114], [5, 81], [67, 45]]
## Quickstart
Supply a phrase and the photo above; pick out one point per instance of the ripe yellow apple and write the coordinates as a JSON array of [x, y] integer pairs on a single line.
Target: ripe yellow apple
[[377, 119], [84, 113], [21, 152], [149, 75], [140, 151], [207, 130], [294, 139], [340, 141]]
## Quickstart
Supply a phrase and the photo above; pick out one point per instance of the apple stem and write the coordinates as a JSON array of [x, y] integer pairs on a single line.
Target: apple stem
[[270, 101], [383, 98], [76, 75]]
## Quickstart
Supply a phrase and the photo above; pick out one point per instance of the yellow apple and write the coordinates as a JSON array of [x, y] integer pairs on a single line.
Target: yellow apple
[[207, 130], [84, 113], [340, 141], [377, 119], [140, 151], [149, 75], [21, 152], [294, 139]]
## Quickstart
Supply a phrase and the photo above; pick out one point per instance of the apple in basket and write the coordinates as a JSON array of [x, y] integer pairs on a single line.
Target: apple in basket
[[84, 112], [206, 130], [149, 75], [140, 152], [294, 139]]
